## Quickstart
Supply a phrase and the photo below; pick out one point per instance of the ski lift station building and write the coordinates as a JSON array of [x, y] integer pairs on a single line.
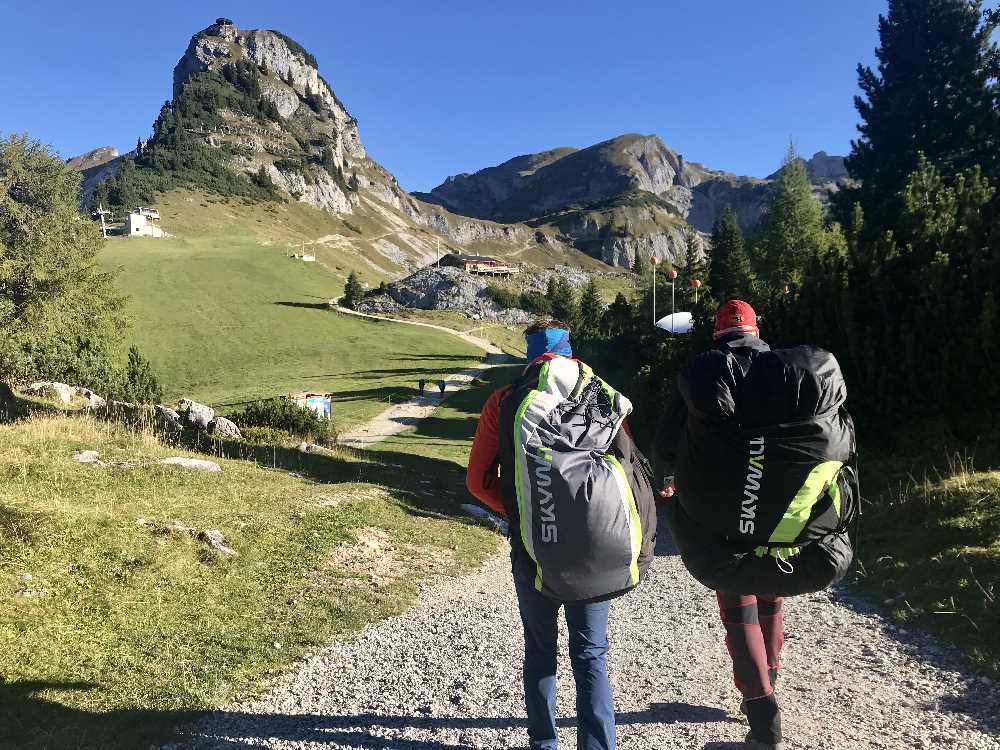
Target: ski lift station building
[[142, 222]]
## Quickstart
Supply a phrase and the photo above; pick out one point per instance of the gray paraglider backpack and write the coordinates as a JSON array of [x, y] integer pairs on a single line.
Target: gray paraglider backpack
[[578, 491]]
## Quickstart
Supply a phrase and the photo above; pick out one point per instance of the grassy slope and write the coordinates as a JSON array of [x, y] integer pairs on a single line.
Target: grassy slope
[[930, 536], [342, 243], [140, 628], [933, 558], [225, 319]]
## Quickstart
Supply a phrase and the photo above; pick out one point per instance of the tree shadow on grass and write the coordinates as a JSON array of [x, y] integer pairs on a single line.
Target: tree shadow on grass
[[305, 305], [398, 472]]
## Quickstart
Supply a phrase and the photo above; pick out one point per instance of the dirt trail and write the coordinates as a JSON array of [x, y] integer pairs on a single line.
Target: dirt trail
[[400, 416]]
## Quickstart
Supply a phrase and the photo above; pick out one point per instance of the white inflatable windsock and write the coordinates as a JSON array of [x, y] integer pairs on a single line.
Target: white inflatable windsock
[[681, 322]]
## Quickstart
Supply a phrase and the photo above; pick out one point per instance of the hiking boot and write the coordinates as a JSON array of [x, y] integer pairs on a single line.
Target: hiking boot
[[764, 717], [772, 676], [755, 744]]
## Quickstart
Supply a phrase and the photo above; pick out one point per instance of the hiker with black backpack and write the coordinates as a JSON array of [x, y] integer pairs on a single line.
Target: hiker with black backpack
[[552, 454], [757, 459]]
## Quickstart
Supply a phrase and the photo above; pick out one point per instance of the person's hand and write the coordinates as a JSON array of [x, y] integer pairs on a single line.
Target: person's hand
[[668, 488]]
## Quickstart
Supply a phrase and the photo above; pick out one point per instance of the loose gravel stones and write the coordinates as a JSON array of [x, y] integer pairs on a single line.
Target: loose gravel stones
[[446, 675]]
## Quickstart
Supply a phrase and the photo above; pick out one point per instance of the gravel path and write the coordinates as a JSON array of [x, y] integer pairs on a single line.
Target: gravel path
[[446, 675]]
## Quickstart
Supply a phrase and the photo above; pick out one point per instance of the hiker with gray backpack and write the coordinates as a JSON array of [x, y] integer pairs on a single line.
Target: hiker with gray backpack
[[756, 456], [552, 454]]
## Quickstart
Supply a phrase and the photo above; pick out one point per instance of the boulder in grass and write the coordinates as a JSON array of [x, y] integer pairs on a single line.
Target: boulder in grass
[[93, 400], [224, 429], [195, 464], [167, 419], [58, 391], [195, 414], [217, 543]]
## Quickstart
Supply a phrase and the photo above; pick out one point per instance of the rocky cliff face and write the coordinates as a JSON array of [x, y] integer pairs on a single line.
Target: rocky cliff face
[[825, 168], [94, 167], [94, 158], [309, 146]]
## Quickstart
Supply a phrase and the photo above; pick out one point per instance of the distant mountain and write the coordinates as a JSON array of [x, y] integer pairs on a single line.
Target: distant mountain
[[95, 158], [625, 196]]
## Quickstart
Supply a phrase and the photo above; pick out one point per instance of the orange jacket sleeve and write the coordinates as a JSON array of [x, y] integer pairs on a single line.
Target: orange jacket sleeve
[[482, 477]]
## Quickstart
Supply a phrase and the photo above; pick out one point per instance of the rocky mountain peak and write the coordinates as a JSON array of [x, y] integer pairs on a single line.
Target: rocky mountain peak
[[822, 166], [258, 95], [93, 158], [533, 185], [289, 74]]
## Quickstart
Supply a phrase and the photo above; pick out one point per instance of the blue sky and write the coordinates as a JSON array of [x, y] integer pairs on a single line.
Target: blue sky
[[441, 87]]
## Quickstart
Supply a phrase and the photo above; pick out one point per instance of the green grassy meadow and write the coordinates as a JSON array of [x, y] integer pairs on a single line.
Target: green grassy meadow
[[116, 629], [225, 319]]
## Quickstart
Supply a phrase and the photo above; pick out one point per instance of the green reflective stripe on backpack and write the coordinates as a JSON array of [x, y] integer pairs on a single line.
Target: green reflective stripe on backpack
[[586, 375], [634, 522], [521, 461], [797, 515], [835, 495]]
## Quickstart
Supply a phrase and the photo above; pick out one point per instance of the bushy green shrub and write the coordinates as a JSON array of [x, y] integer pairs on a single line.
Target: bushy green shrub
[[287, 416], [535, 302], [505, 298]]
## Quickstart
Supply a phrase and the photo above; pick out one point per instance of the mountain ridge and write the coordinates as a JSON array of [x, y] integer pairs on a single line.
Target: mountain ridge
[[253, 118], [565, 177]]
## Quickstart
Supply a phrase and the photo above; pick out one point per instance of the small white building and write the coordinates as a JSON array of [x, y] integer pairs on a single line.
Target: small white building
[[142, 223]]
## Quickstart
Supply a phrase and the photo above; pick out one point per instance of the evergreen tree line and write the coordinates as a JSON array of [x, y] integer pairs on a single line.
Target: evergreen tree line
[[900, 280]]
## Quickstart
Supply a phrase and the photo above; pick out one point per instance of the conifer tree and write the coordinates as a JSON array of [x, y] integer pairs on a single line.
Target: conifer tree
[[139, 382], [934, 92], [565, 306], [551, 289], [617, 318], [353, 291], [591, 310], [731, 275], [791, 230], [695, 263]]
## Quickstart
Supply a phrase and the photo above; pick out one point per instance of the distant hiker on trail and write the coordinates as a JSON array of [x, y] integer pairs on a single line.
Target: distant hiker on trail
[[441, 386], [756, 454], [552, 454], [423, 384]]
